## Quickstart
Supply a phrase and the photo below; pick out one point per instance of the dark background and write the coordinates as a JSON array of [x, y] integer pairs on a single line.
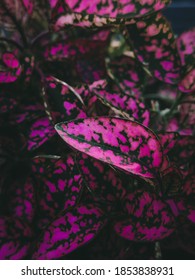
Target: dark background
[[181, 14]]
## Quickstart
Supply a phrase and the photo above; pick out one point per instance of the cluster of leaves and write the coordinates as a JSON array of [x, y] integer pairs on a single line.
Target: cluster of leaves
[[117, 85]]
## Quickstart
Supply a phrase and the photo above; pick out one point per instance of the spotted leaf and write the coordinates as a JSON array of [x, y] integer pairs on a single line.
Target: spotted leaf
[[124, 105], [128, 74], [116, 9], [102, 181], [187, 84], [28, 4], [10, 68], [59, 185], [155, 47], [149, 218], [22, 202], [40, 131], [69, 231], [122, 143], [186, 47], [63, 101], [14, 238]]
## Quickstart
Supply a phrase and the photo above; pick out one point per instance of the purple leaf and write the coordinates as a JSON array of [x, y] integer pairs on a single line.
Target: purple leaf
[[186, 47], [40, 132], [129, 75], [124, 105], [187, 84], [64, 102], [14, 250], [89, 14], [149, 218], [104, 183], [22, 201], [69, 231], [29, 5], [59, 185], [11, 69], [122, 143], [155, 47], [124, 8]]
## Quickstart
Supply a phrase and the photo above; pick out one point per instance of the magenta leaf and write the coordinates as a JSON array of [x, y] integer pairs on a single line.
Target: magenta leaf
[[128, 74], [29, 5], [187, 110], [187, 84], [155, 46], [87, 55], [59, 185], [103, 182], [14, 238], [186, 47], [69, 231], [124, 105], [168, 140], [14, 250], [124, 8], [40, 132], [22, 202], [63, 102], [149, 218], [10, 68], [89, 14], [122, 143]]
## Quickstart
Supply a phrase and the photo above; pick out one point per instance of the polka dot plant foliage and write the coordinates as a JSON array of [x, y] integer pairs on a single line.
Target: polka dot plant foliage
[[97, 131]]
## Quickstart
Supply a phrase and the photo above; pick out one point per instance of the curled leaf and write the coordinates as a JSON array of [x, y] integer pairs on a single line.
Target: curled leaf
[[122, 143]]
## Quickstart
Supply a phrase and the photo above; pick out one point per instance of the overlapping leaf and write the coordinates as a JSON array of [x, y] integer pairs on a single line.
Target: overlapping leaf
[[115, 9], [128, 74], [63, 101], [99, 13], [122, 143], [102, 181], [59, 186], [155, 47], [69, 231], [10, 68], [149, 218], [124, 105]]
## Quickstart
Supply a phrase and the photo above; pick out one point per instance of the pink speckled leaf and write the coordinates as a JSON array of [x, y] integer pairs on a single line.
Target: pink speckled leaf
[[186, 47], [69, 231], [62, 101], [59, 185], [183, 150], [129, 75], [187, 84], [14, 250], [124, 105], [14, 239], [97, 14], [116, 9], [103, 182], [40, 132], [22, 201], [155, 47], [87, 55], [29, 5], [149, 218], [168, 140], [10, 68], [187, 110], [122, 143]]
